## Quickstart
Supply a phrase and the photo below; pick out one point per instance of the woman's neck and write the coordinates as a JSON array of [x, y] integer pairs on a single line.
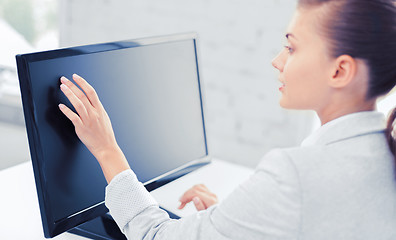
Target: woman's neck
[[335, 111]]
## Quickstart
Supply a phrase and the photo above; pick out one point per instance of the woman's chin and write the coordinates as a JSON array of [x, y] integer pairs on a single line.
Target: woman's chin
[[283, 103]]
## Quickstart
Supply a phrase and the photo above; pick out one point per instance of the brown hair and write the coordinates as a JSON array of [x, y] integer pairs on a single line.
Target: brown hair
[[364, 29], [391, 127]]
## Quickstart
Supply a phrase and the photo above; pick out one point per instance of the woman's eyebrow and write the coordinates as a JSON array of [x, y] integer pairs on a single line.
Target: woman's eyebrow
[[290, 35]]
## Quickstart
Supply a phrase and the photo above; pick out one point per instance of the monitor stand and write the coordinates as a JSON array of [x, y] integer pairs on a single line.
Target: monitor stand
[[104, 228]]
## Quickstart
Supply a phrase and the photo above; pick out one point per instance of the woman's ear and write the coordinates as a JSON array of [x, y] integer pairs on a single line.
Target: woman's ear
[[343, 72]]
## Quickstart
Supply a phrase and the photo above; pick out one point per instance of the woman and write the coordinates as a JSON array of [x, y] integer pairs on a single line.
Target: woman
[[339, 184]]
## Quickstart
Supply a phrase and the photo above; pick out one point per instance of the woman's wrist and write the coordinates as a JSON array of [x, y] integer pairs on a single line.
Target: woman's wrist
[[108, 153], [112, 161]]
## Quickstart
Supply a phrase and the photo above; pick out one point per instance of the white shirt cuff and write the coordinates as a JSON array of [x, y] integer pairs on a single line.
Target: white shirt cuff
[[126, 197]]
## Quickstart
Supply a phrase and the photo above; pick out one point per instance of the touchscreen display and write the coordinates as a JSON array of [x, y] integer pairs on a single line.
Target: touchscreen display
[[152, 97]]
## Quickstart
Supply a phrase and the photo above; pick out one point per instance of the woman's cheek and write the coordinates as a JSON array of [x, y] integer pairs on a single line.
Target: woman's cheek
[[288, 72]]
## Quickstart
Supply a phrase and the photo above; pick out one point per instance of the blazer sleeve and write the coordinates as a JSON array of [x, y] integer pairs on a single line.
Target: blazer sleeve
[[266, 206]]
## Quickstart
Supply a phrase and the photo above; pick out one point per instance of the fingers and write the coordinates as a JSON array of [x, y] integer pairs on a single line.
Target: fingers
[[73, 117], [89, 91], [195, 190], [75, 101], [201, 195], [187, 197], [79, 94], [199, 205], [182, 205]]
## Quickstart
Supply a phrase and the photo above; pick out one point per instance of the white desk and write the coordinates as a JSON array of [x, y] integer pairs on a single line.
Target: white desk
[[20, 217]]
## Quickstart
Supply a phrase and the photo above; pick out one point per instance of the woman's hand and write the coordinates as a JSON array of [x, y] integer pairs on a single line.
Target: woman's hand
[[200, 195], [93, 126]]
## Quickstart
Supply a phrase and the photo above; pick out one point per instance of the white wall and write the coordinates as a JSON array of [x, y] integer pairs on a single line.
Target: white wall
[[237, 41]]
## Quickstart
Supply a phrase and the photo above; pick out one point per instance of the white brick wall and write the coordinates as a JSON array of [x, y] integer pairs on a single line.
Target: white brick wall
[[237, 41]]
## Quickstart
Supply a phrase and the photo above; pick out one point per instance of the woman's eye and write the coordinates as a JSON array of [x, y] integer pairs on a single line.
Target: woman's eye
[[289, 49]]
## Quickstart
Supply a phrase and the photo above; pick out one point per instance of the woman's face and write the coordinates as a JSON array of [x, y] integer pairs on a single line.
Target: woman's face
[[304, 64]]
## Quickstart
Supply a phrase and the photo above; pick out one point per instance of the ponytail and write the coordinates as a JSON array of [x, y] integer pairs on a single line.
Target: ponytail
[[391, 132]]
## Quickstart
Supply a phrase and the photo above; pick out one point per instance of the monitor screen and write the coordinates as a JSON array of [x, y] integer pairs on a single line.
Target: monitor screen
[[151, 91]]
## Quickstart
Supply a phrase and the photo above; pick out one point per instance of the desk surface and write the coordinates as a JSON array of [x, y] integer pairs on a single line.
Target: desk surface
[[20, 209]]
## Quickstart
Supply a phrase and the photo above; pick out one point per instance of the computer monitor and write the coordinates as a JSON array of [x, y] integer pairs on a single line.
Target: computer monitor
[[152, 92]]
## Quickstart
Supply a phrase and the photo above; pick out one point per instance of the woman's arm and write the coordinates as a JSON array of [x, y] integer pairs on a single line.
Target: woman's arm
[[93, 126], [265, 206]]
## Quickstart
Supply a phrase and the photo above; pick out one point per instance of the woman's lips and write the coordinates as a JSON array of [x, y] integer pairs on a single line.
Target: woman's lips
[[282, 87]]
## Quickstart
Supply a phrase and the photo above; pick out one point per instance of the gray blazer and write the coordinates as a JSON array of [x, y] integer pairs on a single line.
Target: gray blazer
[[340, 184]]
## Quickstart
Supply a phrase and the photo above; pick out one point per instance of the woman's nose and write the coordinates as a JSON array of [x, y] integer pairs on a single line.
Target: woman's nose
[[278, 61]]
